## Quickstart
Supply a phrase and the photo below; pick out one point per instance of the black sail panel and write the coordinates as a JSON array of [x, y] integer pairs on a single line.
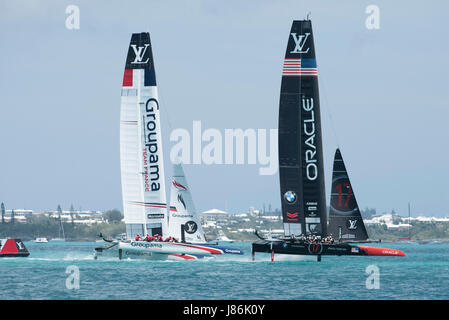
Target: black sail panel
[[345, 220], [300, 146]]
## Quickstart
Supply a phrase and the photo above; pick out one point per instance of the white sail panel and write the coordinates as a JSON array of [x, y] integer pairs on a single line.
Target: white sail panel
[[129, 159], [152, 162], [141, 158], [183, 214]]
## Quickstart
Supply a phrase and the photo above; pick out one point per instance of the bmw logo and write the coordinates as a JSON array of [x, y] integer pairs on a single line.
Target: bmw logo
[[290, 196]]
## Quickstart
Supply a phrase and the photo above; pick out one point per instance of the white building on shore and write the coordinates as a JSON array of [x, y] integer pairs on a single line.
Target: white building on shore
[[214, 217]]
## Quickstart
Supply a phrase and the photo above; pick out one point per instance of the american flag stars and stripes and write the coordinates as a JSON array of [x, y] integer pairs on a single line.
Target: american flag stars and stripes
[[299, 68]]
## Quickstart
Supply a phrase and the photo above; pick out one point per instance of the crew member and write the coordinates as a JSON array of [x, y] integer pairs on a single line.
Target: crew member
[[137, 237]]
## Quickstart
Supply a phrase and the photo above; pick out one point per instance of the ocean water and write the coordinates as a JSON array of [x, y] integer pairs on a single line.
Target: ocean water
[[422, 274]]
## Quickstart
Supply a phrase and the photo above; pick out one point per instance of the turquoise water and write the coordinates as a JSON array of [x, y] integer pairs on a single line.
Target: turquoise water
[[422, 274]]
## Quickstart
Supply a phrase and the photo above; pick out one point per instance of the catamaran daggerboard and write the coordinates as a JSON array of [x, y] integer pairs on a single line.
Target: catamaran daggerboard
[[142, 172], [301, 168]]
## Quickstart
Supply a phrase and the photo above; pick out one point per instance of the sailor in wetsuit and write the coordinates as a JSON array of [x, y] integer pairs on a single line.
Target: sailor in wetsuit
[[137, 237], [293, 238]]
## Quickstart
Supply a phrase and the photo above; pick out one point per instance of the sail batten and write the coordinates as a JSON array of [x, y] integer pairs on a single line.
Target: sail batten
[[300, 147]]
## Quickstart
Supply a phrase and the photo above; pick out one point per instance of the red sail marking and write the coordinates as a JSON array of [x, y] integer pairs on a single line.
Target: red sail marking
[[178, 185], [292, 216], [186, 257], [9, 247], [128, 78], [378, 251], [348, 185]]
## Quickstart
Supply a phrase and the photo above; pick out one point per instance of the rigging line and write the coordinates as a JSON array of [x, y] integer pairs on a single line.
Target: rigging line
[[328, 108]]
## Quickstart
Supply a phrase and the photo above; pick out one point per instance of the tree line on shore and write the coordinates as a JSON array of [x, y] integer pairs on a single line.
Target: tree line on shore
[[40, 225]]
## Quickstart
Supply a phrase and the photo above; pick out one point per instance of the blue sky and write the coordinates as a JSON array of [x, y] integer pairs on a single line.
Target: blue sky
[[220, 62]]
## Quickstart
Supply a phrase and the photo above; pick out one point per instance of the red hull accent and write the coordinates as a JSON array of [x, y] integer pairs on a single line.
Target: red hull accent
[[378, 251], [184, 256], [208, 249]]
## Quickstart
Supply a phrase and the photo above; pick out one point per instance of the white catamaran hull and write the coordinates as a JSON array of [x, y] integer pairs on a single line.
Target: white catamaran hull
[[161, 250]]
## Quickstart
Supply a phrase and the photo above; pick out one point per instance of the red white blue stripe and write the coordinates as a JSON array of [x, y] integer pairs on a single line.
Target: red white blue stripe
[[300, 68], [149, 204]]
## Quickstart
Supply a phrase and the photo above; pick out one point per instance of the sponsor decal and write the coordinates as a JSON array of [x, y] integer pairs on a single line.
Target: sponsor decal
[[20, 245], [236, 251], [315, 248], [351, 224], [143, 244], [137, 253], [139, 53], [290, 197], [150, 153], [313, 227], [182, 215], [155, 215], [292, 216], [181, 200], [310, 152], [299, 68], [190, 227], [178, 185], [300, 41], [342, 197], [355, 250]]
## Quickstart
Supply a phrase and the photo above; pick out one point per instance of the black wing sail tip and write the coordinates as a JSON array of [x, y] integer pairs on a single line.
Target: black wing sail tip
[[300, 153], [345, 219], [337, 153], [300, 40], [140, 56]]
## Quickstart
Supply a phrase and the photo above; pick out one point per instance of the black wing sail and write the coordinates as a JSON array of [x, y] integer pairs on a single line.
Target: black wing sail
[[345, 220], [300, 147]]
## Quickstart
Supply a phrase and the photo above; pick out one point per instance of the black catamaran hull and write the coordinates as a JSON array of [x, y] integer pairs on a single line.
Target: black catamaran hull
[[321, 249]]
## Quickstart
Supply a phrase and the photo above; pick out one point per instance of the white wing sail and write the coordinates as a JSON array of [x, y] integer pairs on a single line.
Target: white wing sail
[[141, 159], [184, 221]]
